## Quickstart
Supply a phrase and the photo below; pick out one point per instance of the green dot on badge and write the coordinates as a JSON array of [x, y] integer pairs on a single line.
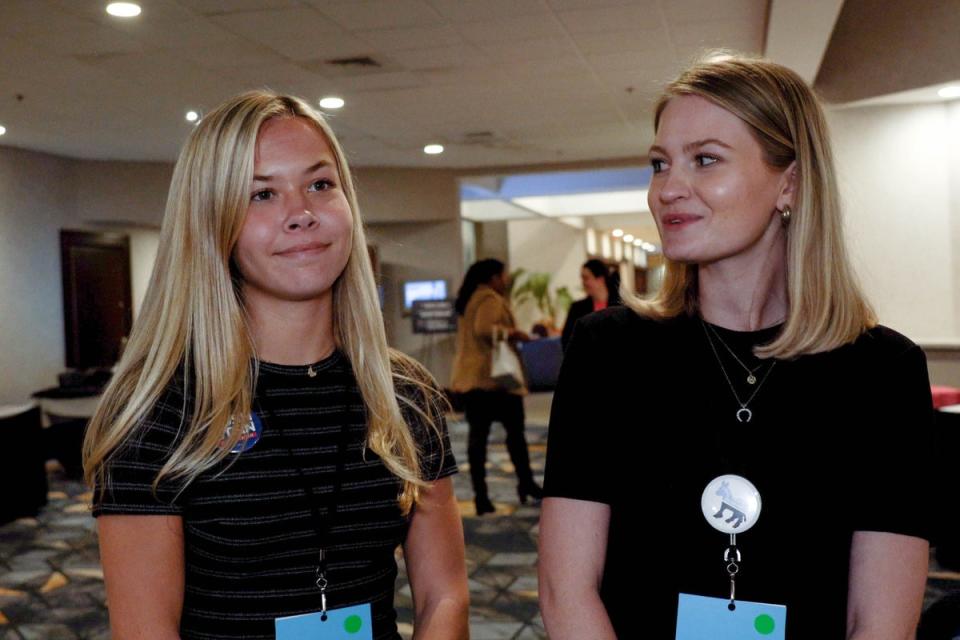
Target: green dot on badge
[[764, 624], [353, 624]]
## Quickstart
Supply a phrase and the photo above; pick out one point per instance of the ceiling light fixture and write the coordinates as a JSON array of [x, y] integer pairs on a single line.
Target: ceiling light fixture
[[638, 242], [953, 91], [123, 9], [628, 237], [3, 129], [192, 116], [617, 233], [433, 149], [331, 102]]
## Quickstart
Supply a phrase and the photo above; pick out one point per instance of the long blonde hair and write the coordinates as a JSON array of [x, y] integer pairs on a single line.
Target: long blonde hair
[[826, 307], [193, 318]]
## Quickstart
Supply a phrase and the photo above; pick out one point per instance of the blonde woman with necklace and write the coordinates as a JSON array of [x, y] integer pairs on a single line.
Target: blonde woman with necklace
[[260, 453], [759, 359]]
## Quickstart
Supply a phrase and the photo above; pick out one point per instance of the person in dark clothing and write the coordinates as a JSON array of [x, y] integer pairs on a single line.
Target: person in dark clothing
[[766, 363], [603, 290], [261, 454]]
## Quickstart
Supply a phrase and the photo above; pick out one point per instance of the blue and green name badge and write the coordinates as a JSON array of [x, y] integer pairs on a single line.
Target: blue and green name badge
[[346, 623], [702, 618]]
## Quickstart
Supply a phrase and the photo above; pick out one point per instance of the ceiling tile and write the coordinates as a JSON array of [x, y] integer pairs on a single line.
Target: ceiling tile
[[460, 11], [638, 15], [510, 30], [379, 14]]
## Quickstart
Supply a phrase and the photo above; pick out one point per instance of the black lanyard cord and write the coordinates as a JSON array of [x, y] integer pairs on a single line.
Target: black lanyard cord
[[321, 525]]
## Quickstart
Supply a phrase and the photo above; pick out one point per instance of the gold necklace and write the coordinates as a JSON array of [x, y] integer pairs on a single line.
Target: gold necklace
[[744, 414], [751, 379]]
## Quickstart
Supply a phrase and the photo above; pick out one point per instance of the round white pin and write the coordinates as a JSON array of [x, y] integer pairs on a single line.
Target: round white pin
[[731, 504]]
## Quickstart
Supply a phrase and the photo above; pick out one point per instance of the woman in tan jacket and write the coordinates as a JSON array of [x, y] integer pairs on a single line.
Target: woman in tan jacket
[[484, 317]]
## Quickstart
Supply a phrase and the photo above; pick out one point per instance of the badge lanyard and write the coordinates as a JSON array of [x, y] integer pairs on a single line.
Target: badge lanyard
[[321, 525], [731, 505]]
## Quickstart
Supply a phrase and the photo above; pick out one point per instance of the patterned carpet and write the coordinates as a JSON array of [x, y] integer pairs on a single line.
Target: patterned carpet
[[51, 585]]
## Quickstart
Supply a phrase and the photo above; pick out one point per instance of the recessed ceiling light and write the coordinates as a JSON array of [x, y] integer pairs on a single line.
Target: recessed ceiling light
[[638, 242], [192, 116], [953, 91], [3, 129], [433, 149], [331, 102], [617, 233], [123, 9], [628, 237]]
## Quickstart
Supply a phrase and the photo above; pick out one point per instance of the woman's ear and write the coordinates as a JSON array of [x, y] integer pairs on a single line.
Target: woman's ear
[[789, 183]]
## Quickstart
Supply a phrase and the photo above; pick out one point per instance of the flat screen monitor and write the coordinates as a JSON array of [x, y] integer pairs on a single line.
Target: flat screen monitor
[[423, 290]]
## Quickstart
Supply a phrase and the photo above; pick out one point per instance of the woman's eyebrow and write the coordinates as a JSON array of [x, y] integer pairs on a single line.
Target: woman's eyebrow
[[310, 169], [690, 146]]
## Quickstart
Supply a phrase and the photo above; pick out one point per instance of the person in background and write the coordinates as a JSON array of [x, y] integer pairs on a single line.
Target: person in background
[[602, 290], [759, 358], [485, 318], [260, 453]]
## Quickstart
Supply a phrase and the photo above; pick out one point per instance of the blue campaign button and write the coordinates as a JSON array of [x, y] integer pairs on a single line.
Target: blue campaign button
[[251, 434]]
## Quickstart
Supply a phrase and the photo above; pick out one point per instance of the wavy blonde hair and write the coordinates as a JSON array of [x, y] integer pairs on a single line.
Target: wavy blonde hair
[[193, 317], [826, 306]]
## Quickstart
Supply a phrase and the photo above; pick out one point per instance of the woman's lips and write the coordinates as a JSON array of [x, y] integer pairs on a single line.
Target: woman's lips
[[675, 221], [305, 249]]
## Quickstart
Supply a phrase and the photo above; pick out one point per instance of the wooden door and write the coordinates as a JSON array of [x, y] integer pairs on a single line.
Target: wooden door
[[97, 305]]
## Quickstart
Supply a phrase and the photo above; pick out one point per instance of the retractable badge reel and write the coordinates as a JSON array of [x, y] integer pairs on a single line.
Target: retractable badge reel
[[731, 505]]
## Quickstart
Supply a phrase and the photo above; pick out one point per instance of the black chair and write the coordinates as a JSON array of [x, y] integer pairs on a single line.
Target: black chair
[[64, 442], [22, 465]]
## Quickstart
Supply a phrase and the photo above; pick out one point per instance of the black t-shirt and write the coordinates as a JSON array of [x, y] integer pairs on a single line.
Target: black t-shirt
[[643, 419], [250, 539]]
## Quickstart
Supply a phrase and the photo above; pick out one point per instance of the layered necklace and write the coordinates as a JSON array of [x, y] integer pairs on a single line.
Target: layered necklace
[[744, 414]]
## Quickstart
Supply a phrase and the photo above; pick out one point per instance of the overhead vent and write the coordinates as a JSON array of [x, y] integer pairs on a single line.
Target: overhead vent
[[356, 62], [350, 67], [487, 139]]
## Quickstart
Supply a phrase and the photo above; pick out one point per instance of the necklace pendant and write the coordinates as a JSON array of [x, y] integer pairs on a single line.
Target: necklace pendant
[[751, 379], [744, 414], [313, 374]]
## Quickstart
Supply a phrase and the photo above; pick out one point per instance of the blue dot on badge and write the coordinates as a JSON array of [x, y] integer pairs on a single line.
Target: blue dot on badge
[[251, 434]]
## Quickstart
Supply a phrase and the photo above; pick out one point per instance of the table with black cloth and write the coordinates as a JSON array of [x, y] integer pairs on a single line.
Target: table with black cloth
[[22, 473]]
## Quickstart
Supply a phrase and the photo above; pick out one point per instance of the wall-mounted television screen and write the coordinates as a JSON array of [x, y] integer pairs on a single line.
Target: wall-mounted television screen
[[423, 290]]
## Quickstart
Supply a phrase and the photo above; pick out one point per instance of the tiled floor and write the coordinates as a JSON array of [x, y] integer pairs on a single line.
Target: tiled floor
[[51, 585]]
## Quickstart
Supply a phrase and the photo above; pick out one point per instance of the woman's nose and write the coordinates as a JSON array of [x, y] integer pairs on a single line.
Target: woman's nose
[[300, 215], [673, 186]]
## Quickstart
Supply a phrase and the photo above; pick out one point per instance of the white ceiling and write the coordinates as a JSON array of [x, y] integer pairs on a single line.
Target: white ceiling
[[541, 81], [498, 82]]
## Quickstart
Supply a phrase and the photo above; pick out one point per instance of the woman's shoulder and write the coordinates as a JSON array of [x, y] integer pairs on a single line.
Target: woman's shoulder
[[484, 295], [617, 321], [883, 342]]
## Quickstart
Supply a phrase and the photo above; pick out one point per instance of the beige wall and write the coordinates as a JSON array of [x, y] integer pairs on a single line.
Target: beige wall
[[121, 192], [413, 219], [895, 165], [546, 246], [36, 201]]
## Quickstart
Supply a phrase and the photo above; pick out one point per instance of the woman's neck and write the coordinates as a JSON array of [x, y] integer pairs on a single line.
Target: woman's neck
[[291, 332], [744, 293]]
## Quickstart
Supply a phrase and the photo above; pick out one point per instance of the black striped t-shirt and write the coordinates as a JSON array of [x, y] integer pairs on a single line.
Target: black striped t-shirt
[[250, 537]]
